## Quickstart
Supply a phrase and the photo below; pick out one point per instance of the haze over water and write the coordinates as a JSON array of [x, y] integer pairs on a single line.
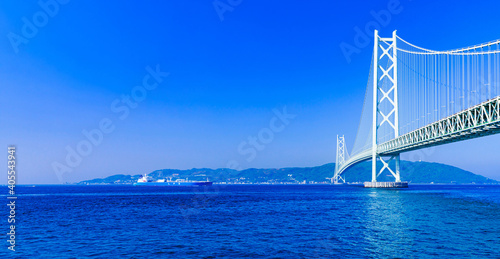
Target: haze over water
[[277, 221]]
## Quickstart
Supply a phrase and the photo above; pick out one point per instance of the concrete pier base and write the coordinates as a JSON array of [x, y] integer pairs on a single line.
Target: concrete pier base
[[386, 184]]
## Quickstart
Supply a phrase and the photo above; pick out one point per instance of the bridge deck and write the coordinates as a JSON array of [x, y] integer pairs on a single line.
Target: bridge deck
[[477, 121]]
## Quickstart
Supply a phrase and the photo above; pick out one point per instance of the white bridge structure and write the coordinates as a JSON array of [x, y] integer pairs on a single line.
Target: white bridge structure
[[418, 98]]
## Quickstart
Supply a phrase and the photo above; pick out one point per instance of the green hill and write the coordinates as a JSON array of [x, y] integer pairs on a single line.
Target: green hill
[[414, 172]]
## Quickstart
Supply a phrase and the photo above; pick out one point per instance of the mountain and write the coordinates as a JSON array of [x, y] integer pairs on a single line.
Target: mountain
[[414, 172]]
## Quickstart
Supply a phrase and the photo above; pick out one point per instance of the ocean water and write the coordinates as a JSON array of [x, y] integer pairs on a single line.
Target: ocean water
[[255, 221]]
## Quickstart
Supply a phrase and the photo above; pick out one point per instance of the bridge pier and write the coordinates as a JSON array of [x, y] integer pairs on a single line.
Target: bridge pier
[[386, 184]]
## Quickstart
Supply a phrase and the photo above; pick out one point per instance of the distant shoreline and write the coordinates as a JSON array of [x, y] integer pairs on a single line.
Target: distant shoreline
[[411, 172], [239, 184]]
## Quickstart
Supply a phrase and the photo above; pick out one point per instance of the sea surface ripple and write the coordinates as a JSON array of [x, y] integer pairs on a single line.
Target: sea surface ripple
[[248, 221]]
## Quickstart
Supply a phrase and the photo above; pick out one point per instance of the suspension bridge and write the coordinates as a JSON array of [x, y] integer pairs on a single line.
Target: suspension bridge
[[418, 98]]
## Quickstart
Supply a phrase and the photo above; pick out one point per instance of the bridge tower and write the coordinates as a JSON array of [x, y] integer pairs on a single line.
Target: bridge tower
[[341, 158], [385, 101]]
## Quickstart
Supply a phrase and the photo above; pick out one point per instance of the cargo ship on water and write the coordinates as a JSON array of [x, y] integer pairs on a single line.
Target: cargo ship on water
[[147, 181]]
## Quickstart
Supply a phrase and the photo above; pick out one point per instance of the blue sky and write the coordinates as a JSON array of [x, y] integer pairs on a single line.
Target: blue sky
[[228, 79]]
